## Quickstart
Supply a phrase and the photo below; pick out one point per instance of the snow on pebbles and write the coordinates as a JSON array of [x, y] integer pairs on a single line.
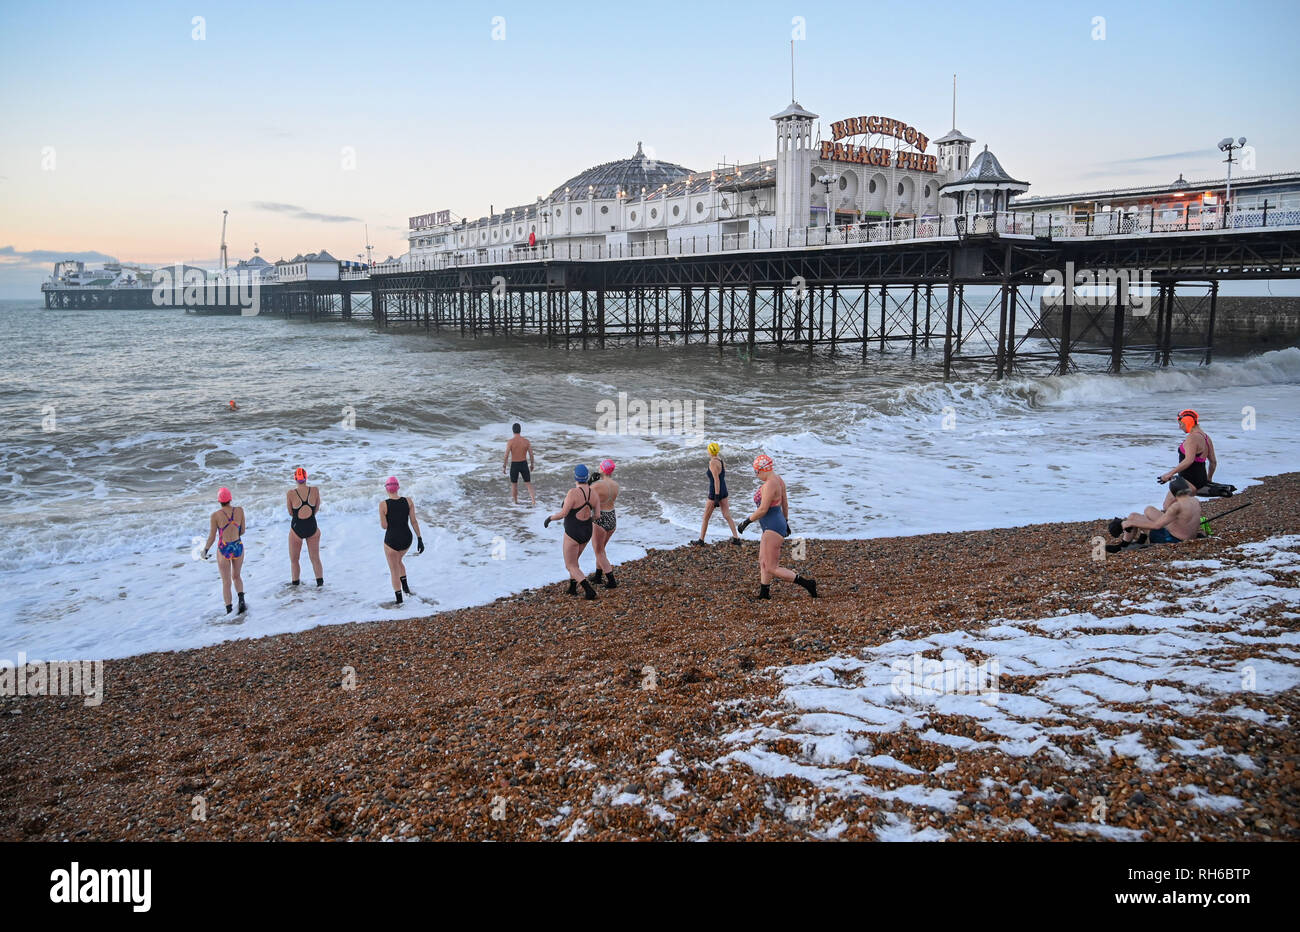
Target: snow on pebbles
[[1072, 691]]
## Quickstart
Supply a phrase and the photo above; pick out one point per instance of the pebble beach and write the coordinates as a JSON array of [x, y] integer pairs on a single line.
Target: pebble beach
[[1147, 695]]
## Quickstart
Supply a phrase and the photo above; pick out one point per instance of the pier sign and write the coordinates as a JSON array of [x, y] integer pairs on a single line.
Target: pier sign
[[879, 155], [424, 221]]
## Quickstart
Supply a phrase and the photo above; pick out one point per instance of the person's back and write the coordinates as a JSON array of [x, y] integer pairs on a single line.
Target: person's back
[[518, 447], [1185, 517]]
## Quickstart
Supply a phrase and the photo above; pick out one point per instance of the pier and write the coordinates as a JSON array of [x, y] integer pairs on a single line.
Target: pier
[[967, 285]]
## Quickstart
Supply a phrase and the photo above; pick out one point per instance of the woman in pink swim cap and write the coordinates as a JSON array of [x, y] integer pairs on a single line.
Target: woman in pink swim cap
[[226, 527], [602, 528], [394, 513]]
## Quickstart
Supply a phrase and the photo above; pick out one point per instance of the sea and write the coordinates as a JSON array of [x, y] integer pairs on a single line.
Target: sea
[[119, 432]]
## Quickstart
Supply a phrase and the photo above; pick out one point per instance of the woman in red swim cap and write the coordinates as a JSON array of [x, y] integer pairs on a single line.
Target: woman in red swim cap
[[303, 501]]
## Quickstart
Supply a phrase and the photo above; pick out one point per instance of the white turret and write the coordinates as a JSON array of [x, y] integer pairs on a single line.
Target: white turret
[[793, 167]]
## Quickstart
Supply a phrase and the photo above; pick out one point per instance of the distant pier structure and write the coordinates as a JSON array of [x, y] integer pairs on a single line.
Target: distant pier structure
[[873, 239]]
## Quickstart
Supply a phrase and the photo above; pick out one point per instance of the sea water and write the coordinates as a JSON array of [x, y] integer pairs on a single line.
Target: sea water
[[118, 433]]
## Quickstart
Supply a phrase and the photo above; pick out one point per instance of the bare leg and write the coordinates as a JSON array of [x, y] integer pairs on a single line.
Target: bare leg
[[514, 492], [532, 499], [600, 537], [223, 566], [313, 551], [708, 513], [769, 559], [726, 513], [236, 565], [573, 550], [396, 568], [295, 551]]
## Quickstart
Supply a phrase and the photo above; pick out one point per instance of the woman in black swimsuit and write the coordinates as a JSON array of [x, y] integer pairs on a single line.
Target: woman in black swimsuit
[[394, 512], [303, 501], [581, 506]]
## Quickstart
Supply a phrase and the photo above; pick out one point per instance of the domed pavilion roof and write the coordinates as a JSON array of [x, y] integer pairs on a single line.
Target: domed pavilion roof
[[628, 175]]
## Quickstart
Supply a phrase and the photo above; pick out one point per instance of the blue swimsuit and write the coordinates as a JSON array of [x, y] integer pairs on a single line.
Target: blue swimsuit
[[774, 520]]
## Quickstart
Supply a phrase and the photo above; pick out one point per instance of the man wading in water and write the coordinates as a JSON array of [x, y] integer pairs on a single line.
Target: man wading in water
[[519, 457]]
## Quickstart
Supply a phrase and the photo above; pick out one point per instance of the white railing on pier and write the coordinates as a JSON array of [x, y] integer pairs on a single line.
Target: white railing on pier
[[1047, 226]]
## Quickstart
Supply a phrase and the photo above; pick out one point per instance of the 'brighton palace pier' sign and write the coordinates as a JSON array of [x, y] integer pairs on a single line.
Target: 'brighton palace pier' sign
[[879, 155]]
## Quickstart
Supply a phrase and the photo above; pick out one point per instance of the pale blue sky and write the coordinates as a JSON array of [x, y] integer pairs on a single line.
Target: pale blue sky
[[153, 133]]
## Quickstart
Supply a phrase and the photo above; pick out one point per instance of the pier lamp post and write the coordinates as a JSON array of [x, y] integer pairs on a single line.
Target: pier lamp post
[[828, 180], [1227, 145]]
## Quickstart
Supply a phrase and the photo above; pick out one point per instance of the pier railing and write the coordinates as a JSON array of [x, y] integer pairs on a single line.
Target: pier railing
[[1045, 226]]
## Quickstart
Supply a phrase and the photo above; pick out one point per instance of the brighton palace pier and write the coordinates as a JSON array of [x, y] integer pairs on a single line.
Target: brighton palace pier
[[873, 168]]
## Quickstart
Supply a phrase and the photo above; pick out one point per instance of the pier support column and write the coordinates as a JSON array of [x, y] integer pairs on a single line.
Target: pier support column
[[1117, 336], [1002, 334], [687, 312], [753, 316], [884, 305], [1063, 349], [600, 315], [947, 335], [916, 301], [961, 313], [1209, 329]]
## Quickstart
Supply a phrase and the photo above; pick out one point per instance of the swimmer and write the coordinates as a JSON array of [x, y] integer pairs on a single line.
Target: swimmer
[[771, 514], [226, 527], [519, 457], [394, 512], [717, 473], [1196, 451], [1177, 523], [603, 527], [302, 527], [577, 530]]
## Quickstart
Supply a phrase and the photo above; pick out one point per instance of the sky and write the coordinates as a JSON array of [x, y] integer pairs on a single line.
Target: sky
[[126, 128]]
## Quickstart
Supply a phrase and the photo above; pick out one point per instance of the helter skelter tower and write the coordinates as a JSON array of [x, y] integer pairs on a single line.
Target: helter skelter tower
[[794, 141]]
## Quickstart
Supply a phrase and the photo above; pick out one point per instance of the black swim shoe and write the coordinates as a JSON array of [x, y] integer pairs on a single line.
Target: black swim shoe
[[573, 587], [1116, 527], [405, 587], [599, 576], [699, 542], [610, 583], [398, 594], [320, 581], [1116, 548], [736, 541], [764, 591], [588, 590], [808, 583], [242, 607]]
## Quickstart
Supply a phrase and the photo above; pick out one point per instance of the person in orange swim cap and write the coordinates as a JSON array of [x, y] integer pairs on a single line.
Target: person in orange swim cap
[[1198, 462], [771, 514]]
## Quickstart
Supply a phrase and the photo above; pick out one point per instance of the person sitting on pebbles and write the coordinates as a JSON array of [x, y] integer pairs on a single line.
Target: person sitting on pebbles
[[1179, 522]]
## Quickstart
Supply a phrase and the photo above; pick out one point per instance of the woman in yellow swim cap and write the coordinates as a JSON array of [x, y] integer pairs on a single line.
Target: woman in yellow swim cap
[[717, 473]]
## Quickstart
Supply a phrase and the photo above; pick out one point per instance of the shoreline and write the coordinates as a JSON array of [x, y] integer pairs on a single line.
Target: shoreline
[[540, 717]]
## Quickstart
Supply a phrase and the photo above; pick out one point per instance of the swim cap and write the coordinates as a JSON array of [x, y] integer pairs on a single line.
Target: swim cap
[[607, 467], [763, 463], [714, 449], [580, 472], [391, 484], [223, 495], [1179, 486], [300, 474], [515, 427], [1189, 419]]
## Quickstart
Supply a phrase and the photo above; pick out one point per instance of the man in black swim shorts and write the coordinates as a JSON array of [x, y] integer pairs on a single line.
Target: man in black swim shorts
[[519, 457]]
